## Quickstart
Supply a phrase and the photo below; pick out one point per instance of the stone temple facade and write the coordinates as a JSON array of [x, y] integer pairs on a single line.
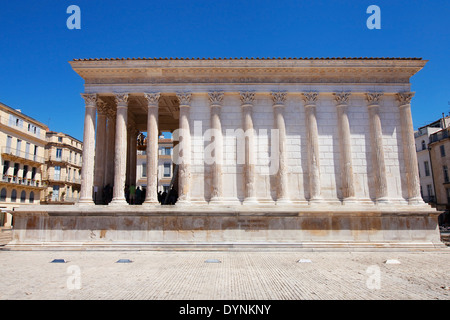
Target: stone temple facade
[[308, 153]]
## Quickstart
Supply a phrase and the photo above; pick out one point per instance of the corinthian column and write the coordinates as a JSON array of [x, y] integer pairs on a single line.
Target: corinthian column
[[376, 140], [215, 99], [184, 167], [247, 99], [310, 99], [87, 173], [279, 100], [100, 149], [151, 196], [110, 146], [348, 188], [120, 159], [409, 150]]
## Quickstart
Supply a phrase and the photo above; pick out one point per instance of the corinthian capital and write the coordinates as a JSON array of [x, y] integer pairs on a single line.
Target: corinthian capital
[[310, 98], [102, 107], [121, 98], [184, 98], [373, 97], [90, 98], [405, 97], [278, 97], [215, 98], [341, 98], [247, 97], [152, 98]]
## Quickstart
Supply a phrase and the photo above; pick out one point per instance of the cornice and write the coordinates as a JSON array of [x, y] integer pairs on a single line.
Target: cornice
[[247, 71]]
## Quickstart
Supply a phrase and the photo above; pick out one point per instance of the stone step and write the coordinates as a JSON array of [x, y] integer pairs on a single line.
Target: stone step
[[5, 235]]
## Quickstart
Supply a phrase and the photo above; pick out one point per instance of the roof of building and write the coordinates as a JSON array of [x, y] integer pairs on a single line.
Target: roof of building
[[252, 58], [18, 112]]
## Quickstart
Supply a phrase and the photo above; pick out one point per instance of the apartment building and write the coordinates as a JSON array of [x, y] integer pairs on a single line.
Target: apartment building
[[63, 159], [439, 148], [22, 142]]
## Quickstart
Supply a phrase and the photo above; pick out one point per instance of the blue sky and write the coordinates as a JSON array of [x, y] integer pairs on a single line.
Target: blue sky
[[36, 45]]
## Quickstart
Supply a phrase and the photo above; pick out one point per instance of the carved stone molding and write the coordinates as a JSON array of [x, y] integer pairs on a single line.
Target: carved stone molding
[[310, 98], [405, 97], [121, 99], [278, 97], [341, 98], [247, 97], [152, 98], [90, 99], [215, 98], [373, 97], [184, 98]]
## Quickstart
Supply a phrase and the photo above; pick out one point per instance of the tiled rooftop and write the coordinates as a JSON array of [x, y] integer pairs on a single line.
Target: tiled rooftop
[[246, 58]]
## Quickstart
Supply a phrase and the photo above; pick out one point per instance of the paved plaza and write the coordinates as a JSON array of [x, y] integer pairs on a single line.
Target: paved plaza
[[169, 275]]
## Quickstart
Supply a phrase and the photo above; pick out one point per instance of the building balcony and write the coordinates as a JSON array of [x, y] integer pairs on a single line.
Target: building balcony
[[62, 179], [17, 155], [19, 181], [63, 160]]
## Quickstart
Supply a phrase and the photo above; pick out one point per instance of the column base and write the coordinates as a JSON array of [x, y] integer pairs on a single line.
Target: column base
[[416, 201], [118, 202], [250, 201], [315, 200], [350, 201], [382, 200], [86, 202], [283, 201], [181, 203], [151, 203], [217, 201]]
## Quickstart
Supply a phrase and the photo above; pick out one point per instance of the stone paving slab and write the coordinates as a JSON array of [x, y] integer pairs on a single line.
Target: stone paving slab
[[161, 275]]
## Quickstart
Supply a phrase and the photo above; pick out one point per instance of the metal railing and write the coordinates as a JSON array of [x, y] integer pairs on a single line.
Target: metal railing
[[62, 178], [66, 159], [21, 181], [437, 136], [22, 154]]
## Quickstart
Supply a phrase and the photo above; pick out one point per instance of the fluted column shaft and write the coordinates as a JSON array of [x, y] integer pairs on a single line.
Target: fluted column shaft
[[100, 149], [110, 148], [87, 172], [279, 99], [151, 196], [409, 150], [215, 99], [348, 187], [247, 99], [184, 168], [376, 135], [312, 146], [120, 158]]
